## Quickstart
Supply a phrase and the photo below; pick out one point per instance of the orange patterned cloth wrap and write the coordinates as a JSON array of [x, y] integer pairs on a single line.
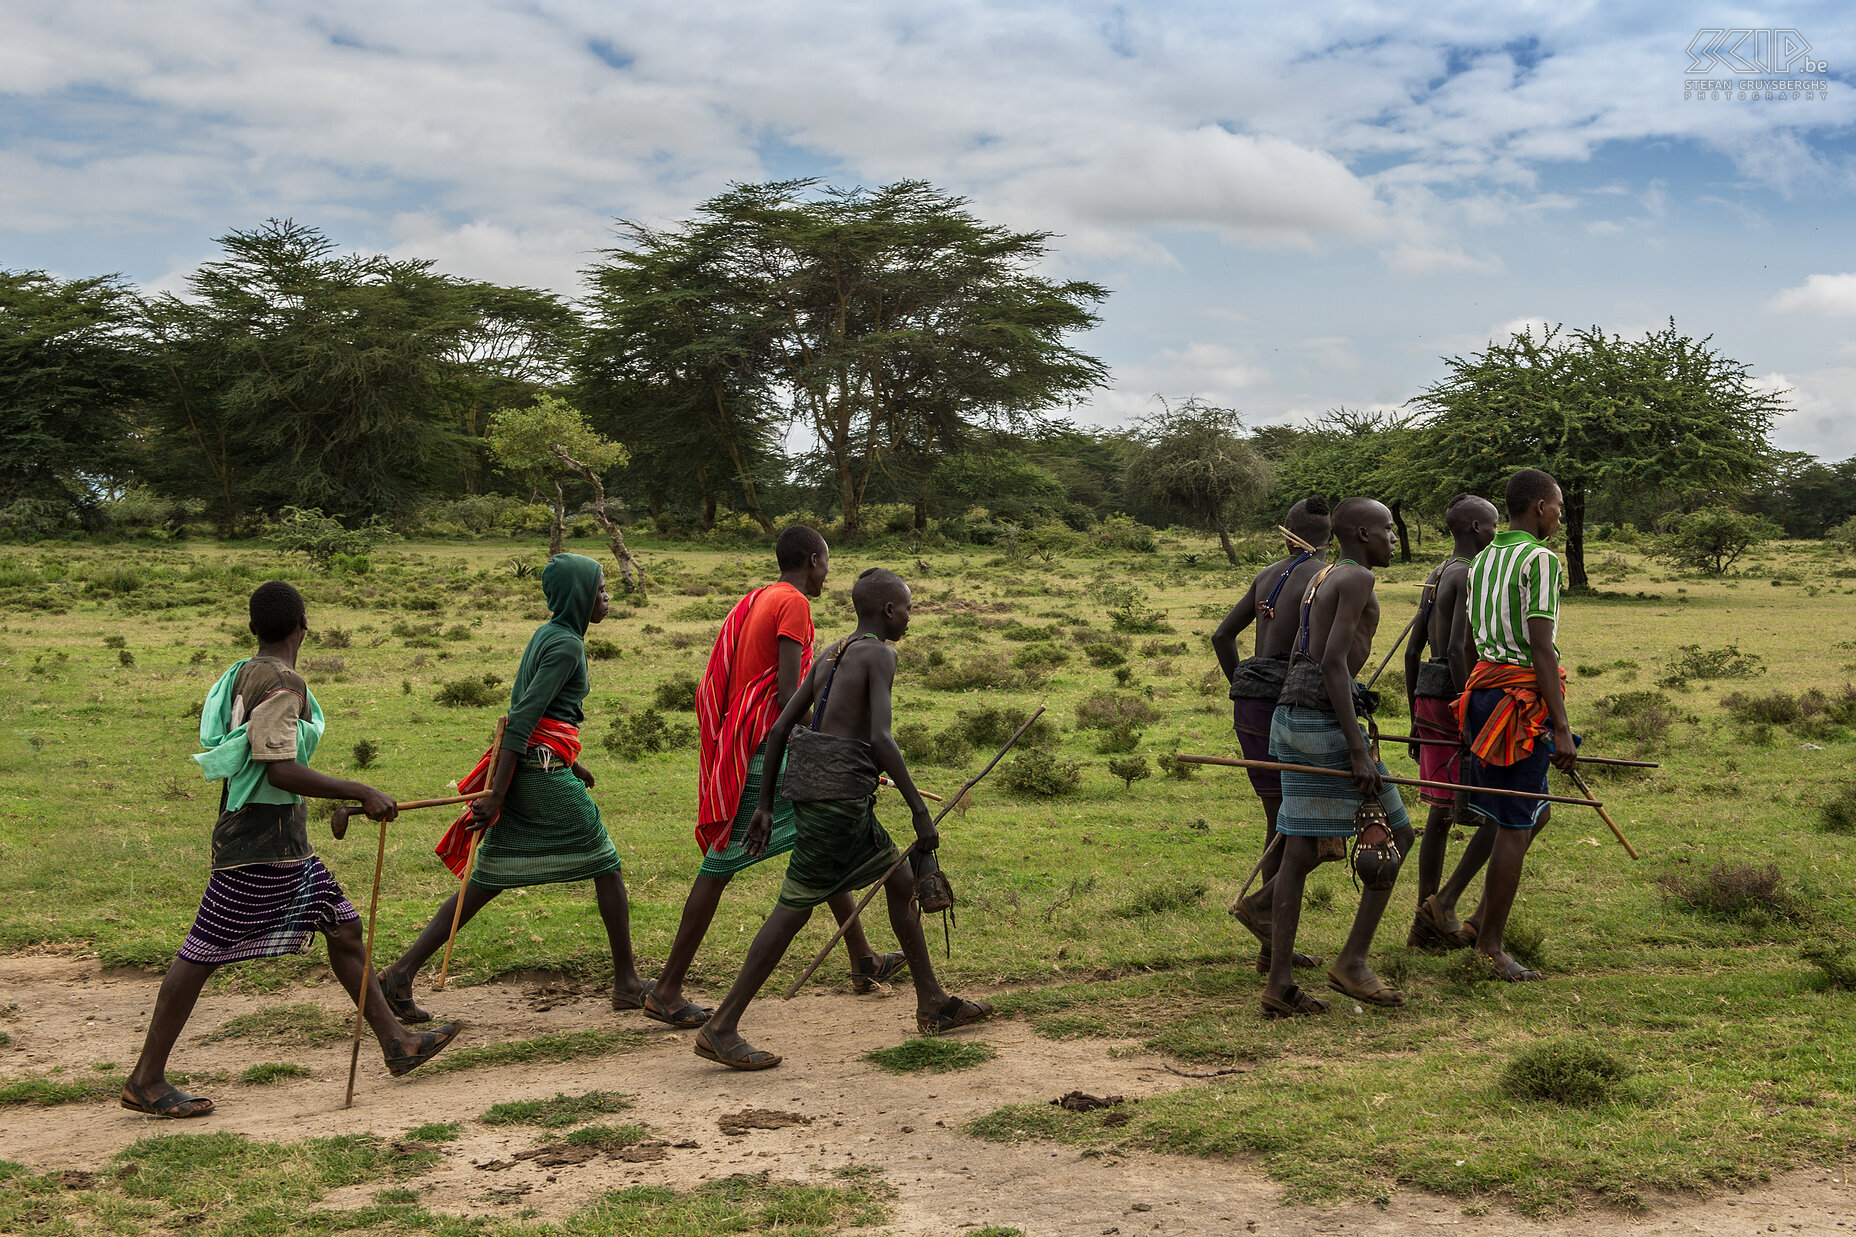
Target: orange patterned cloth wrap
[[1521, 718]]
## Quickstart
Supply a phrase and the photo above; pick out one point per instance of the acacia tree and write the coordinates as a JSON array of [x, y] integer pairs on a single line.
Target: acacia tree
[[300, 377], [549, 441], [73, 375], [888, 323], [1198, 464], [1347, 454], [1601, 413]]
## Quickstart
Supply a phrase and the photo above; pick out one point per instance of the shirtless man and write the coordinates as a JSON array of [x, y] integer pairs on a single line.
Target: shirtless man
[[1269, 603], [1318, 723], [831, 779], [1430, 687]]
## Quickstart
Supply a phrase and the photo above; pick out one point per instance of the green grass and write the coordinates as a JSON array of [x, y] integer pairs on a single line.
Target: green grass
[[1716, 1007], [45, 1091], [226, 1185], [935, 1056], [435, 1132], [607, 1137], [300, 1025], [561, 1110], [541, 1050], [274, 1071]]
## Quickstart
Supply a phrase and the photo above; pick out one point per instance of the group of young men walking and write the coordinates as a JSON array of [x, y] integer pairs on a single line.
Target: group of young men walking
[[793, 749], [1490, 697]]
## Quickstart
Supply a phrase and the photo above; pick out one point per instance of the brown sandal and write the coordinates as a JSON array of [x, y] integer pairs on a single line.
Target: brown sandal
[[956, 1013], [1460, 937], [881, 969], [1383, 994], [742, 1057], [1293, 1004]]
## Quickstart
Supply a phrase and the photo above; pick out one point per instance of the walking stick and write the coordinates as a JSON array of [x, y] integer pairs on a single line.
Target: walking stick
[[904, 858], [339, 826], [470, 860], [1605, 816], [1584, 760], [1261, 860], [367, 967], [1452, 787], [926, 794]]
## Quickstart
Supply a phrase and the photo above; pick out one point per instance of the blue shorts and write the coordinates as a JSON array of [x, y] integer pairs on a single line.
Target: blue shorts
[[1529, 773]]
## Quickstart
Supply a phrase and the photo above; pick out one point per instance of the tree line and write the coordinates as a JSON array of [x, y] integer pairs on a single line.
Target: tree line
[[795, 348]]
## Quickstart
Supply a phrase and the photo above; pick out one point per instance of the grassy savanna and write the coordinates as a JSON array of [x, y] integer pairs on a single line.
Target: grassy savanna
[[1101, 909]]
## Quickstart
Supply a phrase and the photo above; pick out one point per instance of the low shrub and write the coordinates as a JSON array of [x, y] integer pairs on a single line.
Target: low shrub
[[934, 1056], [1130, 769], [1694, 662], [1106, 710], [1042, 774], [989, 670], [1175, 895], [1177, 769], [1104, 655], [991, 725], [678, 694], [1835, 960], [600, 649], [365, 753], [1570, 1073], [334, 637], [477, 693], [1040, 656], [1026, 632], [1118, 739], [1755, 896], [646, 733], [1838, 814]]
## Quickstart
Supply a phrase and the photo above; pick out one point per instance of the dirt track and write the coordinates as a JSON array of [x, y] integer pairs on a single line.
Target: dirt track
[[74, 1016]]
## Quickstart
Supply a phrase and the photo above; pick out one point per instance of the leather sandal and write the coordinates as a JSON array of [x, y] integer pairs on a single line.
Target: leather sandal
[[169, 1105], [431, 1043]]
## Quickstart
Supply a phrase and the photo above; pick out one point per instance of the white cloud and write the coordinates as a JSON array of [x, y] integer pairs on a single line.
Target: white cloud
[[1414, 259], [1603, 227], [1827, 296], [1822, 416]]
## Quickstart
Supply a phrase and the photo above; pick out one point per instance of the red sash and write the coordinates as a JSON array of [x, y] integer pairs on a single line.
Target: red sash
[[558, 737], [1509, 734]]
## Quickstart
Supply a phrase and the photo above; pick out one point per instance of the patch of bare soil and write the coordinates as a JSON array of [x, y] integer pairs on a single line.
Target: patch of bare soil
[[822, 1109]]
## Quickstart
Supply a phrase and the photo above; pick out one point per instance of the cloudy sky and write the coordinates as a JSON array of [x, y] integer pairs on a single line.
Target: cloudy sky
[[1298, 206]]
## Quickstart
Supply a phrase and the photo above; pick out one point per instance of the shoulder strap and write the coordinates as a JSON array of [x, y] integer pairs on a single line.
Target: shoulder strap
[[1421, 630], [836, 658], [1268, 608], [1308, 603]]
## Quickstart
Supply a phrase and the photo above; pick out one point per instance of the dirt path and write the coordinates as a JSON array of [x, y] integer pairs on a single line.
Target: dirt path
[[71, 1015]]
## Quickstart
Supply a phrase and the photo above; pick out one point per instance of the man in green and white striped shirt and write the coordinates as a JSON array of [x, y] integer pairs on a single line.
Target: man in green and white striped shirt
[[1517, 578], [1515, 700]]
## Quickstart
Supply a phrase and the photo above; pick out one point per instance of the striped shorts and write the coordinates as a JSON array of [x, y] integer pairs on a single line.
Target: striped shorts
[[264, 910]]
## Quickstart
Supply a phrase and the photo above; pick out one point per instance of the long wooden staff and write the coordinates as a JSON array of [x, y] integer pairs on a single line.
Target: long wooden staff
[[926, 794], [1584, 760], [904, 858], [367, 967], [339, 826], [1452, 787], [472, 838], [1605, 816]]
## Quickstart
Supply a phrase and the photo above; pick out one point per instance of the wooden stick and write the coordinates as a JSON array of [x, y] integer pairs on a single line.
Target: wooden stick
[[1584, 760], [470, 858], [859, 909], [1261, 860], [1297, 541], [928, 795], [1604, 815], [1588, 801], [1391, 652], [367, 967], [338, 825]]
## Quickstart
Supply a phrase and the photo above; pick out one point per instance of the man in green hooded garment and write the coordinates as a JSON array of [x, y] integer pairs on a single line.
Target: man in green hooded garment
[[539, 826]]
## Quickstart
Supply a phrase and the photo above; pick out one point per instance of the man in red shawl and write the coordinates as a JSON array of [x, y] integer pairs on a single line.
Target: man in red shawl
[[760, 657]]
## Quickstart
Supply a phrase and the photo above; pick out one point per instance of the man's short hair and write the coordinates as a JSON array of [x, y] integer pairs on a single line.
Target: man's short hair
[[876, 588], [797, 545], [1352, 511], [1309, 520], [1528, 487], [277, 610]]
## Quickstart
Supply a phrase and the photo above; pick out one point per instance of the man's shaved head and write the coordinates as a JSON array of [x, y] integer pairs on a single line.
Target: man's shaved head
[[875, 589], [1308, 520], [1354, 512], [1465, 509]]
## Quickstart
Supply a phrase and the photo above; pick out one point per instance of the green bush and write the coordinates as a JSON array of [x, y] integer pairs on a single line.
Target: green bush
[[1041, 774], [1025, 632], [1755, 896], [931, 1055], [365, 753], [1713, 538], [991, 725], [477, 693], [678, 694], [1103, 655], [1569, 1073], [1694, 662], [1128, 611], [1835, 963], [600, 649], [1040, 656], [1106, 710], [1130, 769], [1118, 739], [322, 538], [646, 732]]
